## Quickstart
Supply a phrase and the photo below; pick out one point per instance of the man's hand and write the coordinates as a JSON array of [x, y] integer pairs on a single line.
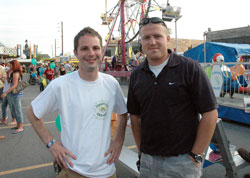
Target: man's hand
[[58, 151], [114, 151], [61, 155], [198, 165]]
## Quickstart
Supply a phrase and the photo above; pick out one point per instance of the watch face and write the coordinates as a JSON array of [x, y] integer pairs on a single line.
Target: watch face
[[198, 158]]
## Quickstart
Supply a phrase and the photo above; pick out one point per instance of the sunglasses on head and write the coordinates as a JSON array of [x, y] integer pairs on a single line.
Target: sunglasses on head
[[154, 20]]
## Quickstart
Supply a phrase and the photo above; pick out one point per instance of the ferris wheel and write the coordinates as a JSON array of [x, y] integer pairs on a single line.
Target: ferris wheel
[[130, 13], [123, 19]]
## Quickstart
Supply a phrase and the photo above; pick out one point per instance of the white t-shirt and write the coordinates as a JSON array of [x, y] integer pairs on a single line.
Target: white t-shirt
[[85, 110], [6, 85], [157, 69]]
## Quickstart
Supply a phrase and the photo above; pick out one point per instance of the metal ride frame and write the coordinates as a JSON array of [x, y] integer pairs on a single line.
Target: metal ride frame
[[130, 12]]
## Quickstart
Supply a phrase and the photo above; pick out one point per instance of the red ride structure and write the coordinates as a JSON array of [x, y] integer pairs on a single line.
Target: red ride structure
[[125, 34], [130, 13]]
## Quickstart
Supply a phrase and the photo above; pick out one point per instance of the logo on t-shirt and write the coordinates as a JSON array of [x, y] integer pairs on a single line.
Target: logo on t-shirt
[[101, 110]]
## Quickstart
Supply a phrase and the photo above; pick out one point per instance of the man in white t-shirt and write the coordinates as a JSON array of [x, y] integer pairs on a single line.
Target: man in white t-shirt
[[85, 100]]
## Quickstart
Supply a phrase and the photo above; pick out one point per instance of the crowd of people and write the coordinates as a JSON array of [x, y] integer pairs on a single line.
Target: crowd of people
[[11, 72], [43, 74], [115, 64]]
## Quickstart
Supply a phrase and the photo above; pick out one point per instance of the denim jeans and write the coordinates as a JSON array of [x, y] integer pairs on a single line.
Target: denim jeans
[[5, 105], [15, 107], [1, 92], [48, 81], [41, 86]]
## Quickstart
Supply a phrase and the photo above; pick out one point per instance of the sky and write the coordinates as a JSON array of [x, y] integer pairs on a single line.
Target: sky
[[39, 21]]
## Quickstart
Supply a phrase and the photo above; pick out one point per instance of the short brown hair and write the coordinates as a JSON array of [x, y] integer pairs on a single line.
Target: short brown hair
[[86, 31]]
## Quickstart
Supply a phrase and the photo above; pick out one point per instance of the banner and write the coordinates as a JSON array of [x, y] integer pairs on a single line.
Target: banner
[[19, 50], [35, 51]]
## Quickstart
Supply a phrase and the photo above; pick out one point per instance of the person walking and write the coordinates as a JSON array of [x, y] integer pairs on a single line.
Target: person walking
[[62, 70], [2, 73], [15, 99], [167, 92], [85, 100], [49, 73], [57, 70], [6, 99]]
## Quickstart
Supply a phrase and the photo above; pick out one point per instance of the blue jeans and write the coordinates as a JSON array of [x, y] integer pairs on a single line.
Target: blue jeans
[[15, 107], [5, 105], [48, 81], [1, 92]]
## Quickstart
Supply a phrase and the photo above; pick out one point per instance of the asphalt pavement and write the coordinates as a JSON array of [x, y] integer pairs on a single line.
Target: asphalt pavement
[[25, 156]]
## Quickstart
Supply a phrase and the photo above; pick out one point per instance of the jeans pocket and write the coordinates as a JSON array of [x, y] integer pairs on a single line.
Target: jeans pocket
[[191, 170]]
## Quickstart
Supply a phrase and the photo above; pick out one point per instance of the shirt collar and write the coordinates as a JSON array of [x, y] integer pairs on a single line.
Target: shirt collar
[[172, 61]]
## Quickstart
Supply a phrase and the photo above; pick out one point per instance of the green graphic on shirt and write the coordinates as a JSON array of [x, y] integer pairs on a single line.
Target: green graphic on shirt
[[101, 110]]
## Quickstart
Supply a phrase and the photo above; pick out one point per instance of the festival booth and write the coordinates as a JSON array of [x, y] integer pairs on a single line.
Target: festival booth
[[227, 76], [230, 51]]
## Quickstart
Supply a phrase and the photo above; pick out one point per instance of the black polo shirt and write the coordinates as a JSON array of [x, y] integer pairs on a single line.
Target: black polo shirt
[[169, 105]]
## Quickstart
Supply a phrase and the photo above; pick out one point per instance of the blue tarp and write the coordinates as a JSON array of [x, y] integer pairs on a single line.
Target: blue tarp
[[234, 114], [230, 51]]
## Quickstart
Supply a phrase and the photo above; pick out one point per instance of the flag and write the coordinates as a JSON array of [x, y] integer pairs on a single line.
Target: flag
[[35, 51]]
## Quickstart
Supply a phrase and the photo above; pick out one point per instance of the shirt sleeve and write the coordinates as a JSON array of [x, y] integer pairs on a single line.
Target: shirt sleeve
[[45, 103], [120, 105], [202, 92]]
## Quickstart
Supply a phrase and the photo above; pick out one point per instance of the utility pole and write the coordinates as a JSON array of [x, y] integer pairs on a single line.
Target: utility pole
[[52, 51], [62, 36], [55, 47], [176, 42]]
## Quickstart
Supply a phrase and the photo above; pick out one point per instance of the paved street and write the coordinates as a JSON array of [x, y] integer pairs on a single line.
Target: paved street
[[25, 156]]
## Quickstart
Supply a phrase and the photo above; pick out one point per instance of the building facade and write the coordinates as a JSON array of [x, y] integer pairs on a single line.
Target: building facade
[[236, 35]]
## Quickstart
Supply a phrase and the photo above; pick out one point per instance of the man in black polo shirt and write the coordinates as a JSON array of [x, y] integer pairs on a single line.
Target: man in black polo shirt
[[167, 93]]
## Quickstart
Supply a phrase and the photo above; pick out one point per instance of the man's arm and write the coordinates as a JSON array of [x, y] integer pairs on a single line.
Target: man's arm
[[116, 145], [57, 150], [136, 129], [205, 132]]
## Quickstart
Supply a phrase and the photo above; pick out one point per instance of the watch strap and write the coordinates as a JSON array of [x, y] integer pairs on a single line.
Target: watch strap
[[192, 154], [198, 158], [51, 143]]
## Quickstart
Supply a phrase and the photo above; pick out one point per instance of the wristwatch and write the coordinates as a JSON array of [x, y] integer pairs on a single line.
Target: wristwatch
[[51, 143], [197, 157]]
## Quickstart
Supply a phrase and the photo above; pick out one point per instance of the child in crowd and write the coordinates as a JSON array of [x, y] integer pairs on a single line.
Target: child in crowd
[[43, 82]]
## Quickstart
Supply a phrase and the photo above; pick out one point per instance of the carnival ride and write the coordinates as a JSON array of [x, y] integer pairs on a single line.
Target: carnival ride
[[125, 34], [234, 80]]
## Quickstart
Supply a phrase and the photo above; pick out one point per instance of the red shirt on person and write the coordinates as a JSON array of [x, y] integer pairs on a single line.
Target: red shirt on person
[[49, 73]]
